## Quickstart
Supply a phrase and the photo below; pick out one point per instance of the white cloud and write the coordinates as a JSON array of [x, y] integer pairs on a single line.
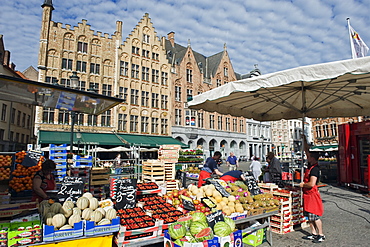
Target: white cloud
[[275, 34]]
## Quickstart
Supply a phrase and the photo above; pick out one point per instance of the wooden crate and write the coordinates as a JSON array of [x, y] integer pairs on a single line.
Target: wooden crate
[[172, 185], [99, 176], [170, 171], [153, 171]]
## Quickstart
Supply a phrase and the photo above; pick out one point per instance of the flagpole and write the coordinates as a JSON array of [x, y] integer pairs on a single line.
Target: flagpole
[[350, 40]]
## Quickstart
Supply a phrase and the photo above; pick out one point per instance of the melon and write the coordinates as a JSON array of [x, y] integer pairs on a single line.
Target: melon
[[230, 222], [111, 214], [199, 216], [93, 203], [68, 204], [74, 219], [197, 226], [58, 220], [65, 227], [96, 216], [102, 211], [66, 211], [231, 199], [82, 203], [209, 192], [218, 198], [76, 211], [55, 208], [88, 195], [205, 234], [185, 221], [222, 229], [49, 219], [86, 213], [176, 230], [104, 222]]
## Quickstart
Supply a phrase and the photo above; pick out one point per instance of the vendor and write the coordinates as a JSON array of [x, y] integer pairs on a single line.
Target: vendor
[[209, 167], [43, 181], [232, 176]]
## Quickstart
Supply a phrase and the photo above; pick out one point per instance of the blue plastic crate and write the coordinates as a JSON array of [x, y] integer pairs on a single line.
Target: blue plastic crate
[[61, 165], [61, 171], [81, 164], [57, 147], [56, 152], [60, 177]]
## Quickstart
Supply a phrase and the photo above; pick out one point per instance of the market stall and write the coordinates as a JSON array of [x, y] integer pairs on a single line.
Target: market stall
[[147, 209]]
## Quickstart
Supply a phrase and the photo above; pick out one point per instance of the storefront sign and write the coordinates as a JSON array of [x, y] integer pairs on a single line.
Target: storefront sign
[[125, 193], [71, 189]]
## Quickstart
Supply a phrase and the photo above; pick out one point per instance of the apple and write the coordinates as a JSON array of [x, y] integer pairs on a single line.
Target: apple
[[208, 209], [175, 194], [195, 202]]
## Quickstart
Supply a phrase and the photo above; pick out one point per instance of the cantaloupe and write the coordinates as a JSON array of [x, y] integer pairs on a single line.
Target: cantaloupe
[[58, 220], [218, 198], [93, 203], [104, 222], [231, 198], [88, 195], [82, 203], [66, 211], [76, 211], [55, 207], [111, 214], [96, 216], [65, 227], [68, 204], [86, 213], [209, 192], [49, 219], [102, 211], [74, 219]]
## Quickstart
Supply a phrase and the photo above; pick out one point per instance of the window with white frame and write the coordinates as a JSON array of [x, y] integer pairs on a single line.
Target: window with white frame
[[123, 93], [135, 71], [155, 100], [63, 117], [212, 121], [144, 124], [106, 118], [81, 66], [107, 89], [95, 68], [48, 115], [177, 93], [134, 123], [219, 122], [164, 78], [123, 68], [178, 117], [164, 126], [134, 97], [146, 38], [92, 120], [189, 75], [122, 122], [200, 119], [145, 73], [155, 125], [135, 50], [145, 98], [164, 102], [155, 76], [67, 63], [82, 47]]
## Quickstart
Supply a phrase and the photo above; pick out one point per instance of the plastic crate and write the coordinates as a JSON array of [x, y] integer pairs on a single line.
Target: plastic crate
[[57, 147]]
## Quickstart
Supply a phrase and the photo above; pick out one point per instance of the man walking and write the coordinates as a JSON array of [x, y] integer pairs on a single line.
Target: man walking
[[312, 204], [232, 162]]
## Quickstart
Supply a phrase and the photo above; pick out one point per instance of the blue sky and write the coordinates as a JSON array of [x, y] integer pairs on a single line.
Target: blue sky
[[276, 35]]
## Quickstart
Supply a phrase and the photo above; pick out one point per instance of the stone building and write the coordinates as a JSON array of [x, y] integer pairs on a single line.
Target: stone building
[[325, 131], [16, 119], [192, 74], [135, 69]]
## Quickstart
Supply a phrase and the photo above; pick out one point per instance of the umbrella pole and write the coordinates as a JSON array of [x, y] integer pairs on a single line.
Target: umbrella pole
[[302, 148]]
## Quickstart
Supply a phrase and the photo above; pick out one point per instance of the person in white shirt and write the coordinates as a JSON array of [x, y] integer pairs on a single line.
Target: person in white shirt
[[255, 167]]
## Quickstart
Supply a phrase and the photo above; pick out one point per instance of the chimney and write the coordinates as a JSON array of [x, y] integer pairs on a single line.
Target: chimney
[[7, 58], [171, 38]]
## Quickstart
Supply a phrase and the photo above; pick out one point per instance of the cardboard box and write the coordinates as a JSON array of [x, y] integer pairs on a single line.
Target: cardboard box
[[24, 233], [50, 235], [4, 230], [209, 243], [255, 238], [91, 229], [234, 239]]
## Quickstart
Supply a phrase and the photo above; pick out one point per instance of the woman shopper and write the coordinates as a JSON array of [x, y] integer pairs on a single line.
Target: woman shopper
[[256, 167]]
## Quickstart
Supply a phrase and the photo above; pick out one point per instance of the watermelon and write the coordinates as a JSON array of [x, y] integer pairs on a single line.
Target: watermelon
[[177, 230], [205, 234], [199, 216], [230, 222], [197, 226], [222, 229], [185, 221], [179, 242], [190, 238]]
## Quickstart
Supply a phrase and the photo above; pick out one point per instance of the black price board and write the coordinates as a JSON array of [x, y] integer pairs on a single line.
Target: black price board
[[72, 188], [125, 193], [215, 217], [31, 158], [251, 183], [188, 203], [219, 188]]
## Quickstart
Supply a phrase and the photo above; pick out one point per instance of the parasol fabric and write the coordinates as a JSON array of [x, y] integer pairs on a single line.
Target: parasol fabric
[[335, 89]]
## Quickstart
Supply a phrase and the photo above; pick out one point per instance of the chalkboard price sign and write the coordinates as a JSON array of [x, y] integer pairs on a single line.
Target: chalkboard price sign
[[125, 193], [219, 188], [215, 217], [252, 184], [32, 158], [71, 189]]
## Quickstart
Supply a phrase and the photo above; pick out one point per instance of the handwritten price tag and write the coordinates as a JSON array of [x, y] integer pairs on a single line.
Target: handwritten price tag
[[125, 193], [71, 189], [252, 184]]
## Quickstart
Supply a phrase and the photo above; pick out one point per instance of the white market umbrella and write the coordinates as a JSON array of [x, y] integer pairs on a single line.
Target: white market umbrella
[[99, 150], [119, 149], [335, 89]]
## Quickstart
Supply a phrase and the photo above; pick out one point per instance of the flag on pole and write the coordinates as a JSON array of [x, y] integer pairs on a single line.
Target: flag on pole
[[358, 46]]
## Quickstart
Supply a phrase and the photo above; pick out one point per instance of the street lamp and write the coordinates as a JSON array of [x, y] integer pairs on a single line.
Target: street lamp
[[74, 84], [262, 149]]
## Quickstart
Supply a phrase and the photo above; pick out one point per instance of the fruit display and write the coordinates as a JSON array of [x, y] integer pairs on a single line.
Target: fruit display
[[21, 176], [64, 216], [147, 186], [196, 228], [135, 218], [239, 200], [5, 164]]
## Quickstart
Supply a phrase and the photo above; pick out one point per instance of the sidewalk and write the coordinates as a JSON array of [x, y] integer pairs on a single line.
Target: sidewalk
[[346, 221]]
